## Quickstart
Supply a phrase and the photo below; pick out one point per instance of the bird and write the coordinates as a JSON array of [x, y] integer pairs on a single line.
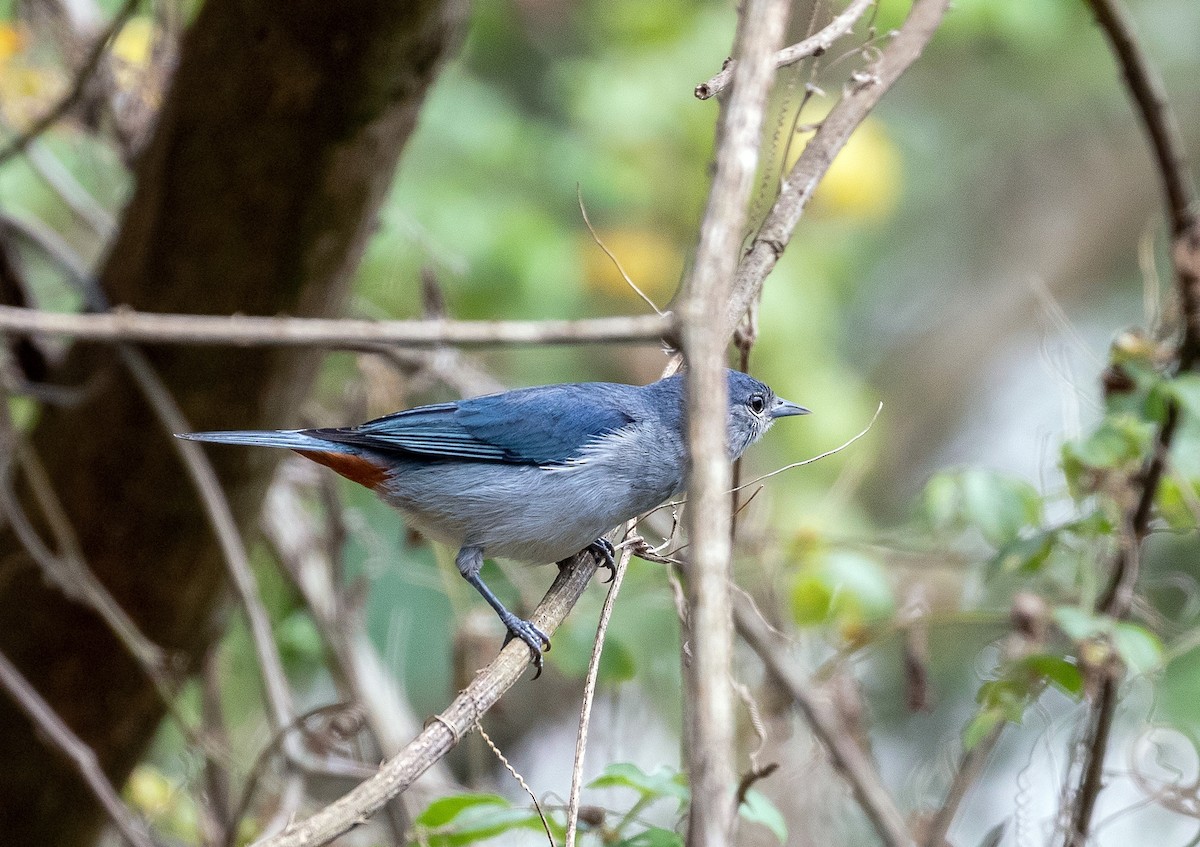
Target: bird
[[534, 475]]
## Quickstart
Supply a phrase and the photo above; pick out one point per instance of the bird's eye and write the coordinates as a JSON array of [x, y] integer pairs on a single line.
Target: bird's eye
[[758, 403]]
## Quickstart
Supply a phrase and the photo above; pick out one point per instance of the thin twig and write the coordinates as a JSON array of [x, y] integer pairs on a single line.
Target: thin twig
[[329, 333], [517, 776], [442, 734], [612, 256], [589, 689], [709, 716], [816, 458], [814, 45], [904, 48], [970, 766], [848, 758], [73, 96], [59, 736]]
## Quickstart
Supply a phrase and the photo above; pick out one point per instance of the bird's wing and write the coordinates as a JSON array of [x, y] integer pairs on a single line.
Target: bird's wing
[[540, 425]]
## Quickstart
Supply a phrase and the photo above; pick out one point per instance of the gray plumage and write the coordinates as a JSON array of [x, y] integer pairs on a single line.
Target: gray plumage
[[535, 475]]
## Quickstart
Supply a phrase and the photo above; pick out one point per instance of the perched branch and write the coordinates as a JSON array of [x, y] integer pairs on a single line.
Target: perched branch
[[444, 731], [709, 716], [73, 96], [850, 760], [61, 738], [814, 45], [341, 333], [869, 86]]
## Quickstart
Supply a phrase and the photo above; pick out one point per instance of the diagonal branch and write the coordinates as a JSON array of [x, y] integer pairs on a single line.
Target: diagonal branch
[[868, 87], [847, 756], [815, 45], [442, 733], [59, 736]]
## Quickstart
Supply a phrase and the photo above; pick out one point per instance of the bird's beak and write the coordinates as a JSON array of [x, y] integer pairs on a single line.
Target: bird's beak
[[786, 408]]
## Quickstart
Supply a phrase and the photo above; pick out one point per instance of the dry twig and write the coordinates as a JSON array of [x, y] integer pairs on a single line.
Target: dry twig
[[849, 759], [815, 45], [443, 733], [904, 48], [589, 689], [329, 333]]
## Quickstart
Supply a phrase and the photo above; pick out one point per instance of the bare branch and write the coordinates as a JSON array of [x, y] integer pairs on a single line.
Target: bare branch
[[589, 689], [709, 716], [330, 333], [814, 45], [444, 731], [1149, 96], [61, 738], [905, 47], [850, 760]]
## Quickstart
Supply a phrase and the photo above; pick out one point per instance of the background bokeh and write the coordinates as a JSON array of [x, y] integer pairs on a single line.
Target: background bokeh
[[967, 262]]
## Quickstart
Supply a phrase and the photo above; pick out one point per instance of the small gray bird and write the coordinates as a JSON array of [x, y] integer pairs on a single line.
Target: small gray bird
[[536, 475]]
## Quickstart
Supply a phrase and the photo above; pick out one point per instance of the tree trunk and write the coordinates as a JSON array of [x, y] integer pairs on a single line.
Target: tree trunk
[[274, 149]]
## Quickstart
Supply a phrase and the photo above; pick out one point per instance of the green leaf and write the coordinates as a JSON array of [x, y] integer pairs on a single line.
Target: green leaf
[[1025, 554], [443, 811], [996, 504], [1078, 625], [1000, 506], [758, 809], [482, 823], [1185, 388], [664, 782], [1119, 440], [980, 727], [843, 587], [1173, 503], [1139, 648], [652, 837], [1056, 670]]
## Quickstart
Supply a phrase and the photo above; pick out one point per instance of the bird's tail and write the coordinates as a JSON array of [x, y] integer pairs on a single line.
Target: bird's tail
[[294, 439]]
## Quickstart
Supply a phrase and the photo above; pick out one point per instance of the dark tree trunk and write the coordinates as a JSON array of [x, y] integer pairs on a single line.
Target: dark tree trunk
[[273, 151]]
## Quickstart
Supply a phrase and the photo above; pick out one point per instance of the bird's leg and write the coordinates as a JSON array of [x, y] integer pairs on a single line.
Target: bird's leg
[[470, 562], [604, 552]]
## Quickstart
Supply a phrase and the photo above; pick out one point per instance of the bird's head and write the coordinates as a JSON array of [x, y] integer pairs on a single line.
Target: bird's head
[[753, 407]]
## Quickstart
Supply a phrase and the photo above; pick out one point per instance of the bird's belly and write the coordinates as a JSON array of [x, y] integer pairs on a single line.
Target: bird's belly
[[522, 512]]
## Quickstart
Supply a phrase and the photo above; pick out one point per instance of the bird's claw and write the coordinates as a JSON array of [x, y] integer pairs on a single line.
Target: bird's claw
[[537, 641], [603, 550]]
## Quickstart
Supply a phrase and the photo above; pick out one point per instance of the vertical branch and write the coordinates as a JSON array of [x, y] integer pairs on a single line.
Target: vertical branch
[[709, 723], [1179, 197]]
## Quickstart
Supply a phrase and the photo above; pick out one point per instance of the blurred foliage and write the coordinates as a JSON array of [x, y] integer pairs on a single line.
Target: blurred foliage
[[992, 161]]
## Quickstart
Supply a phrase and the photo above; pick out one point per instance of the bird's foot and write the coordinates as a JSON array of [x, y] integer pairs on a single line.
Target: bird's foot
[[538, 641], [603, 550]]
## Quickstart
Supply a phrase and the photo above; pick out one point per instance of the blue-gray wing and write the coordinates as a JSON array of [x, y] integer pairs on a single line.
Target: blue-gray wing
[[540, 425]]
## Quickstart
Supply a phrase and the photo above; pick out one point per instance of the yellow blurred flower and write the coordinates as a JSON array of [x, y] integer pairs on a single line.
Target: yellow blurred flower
[[652, 260], [132, 50], [863, 183], [12, 42]]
